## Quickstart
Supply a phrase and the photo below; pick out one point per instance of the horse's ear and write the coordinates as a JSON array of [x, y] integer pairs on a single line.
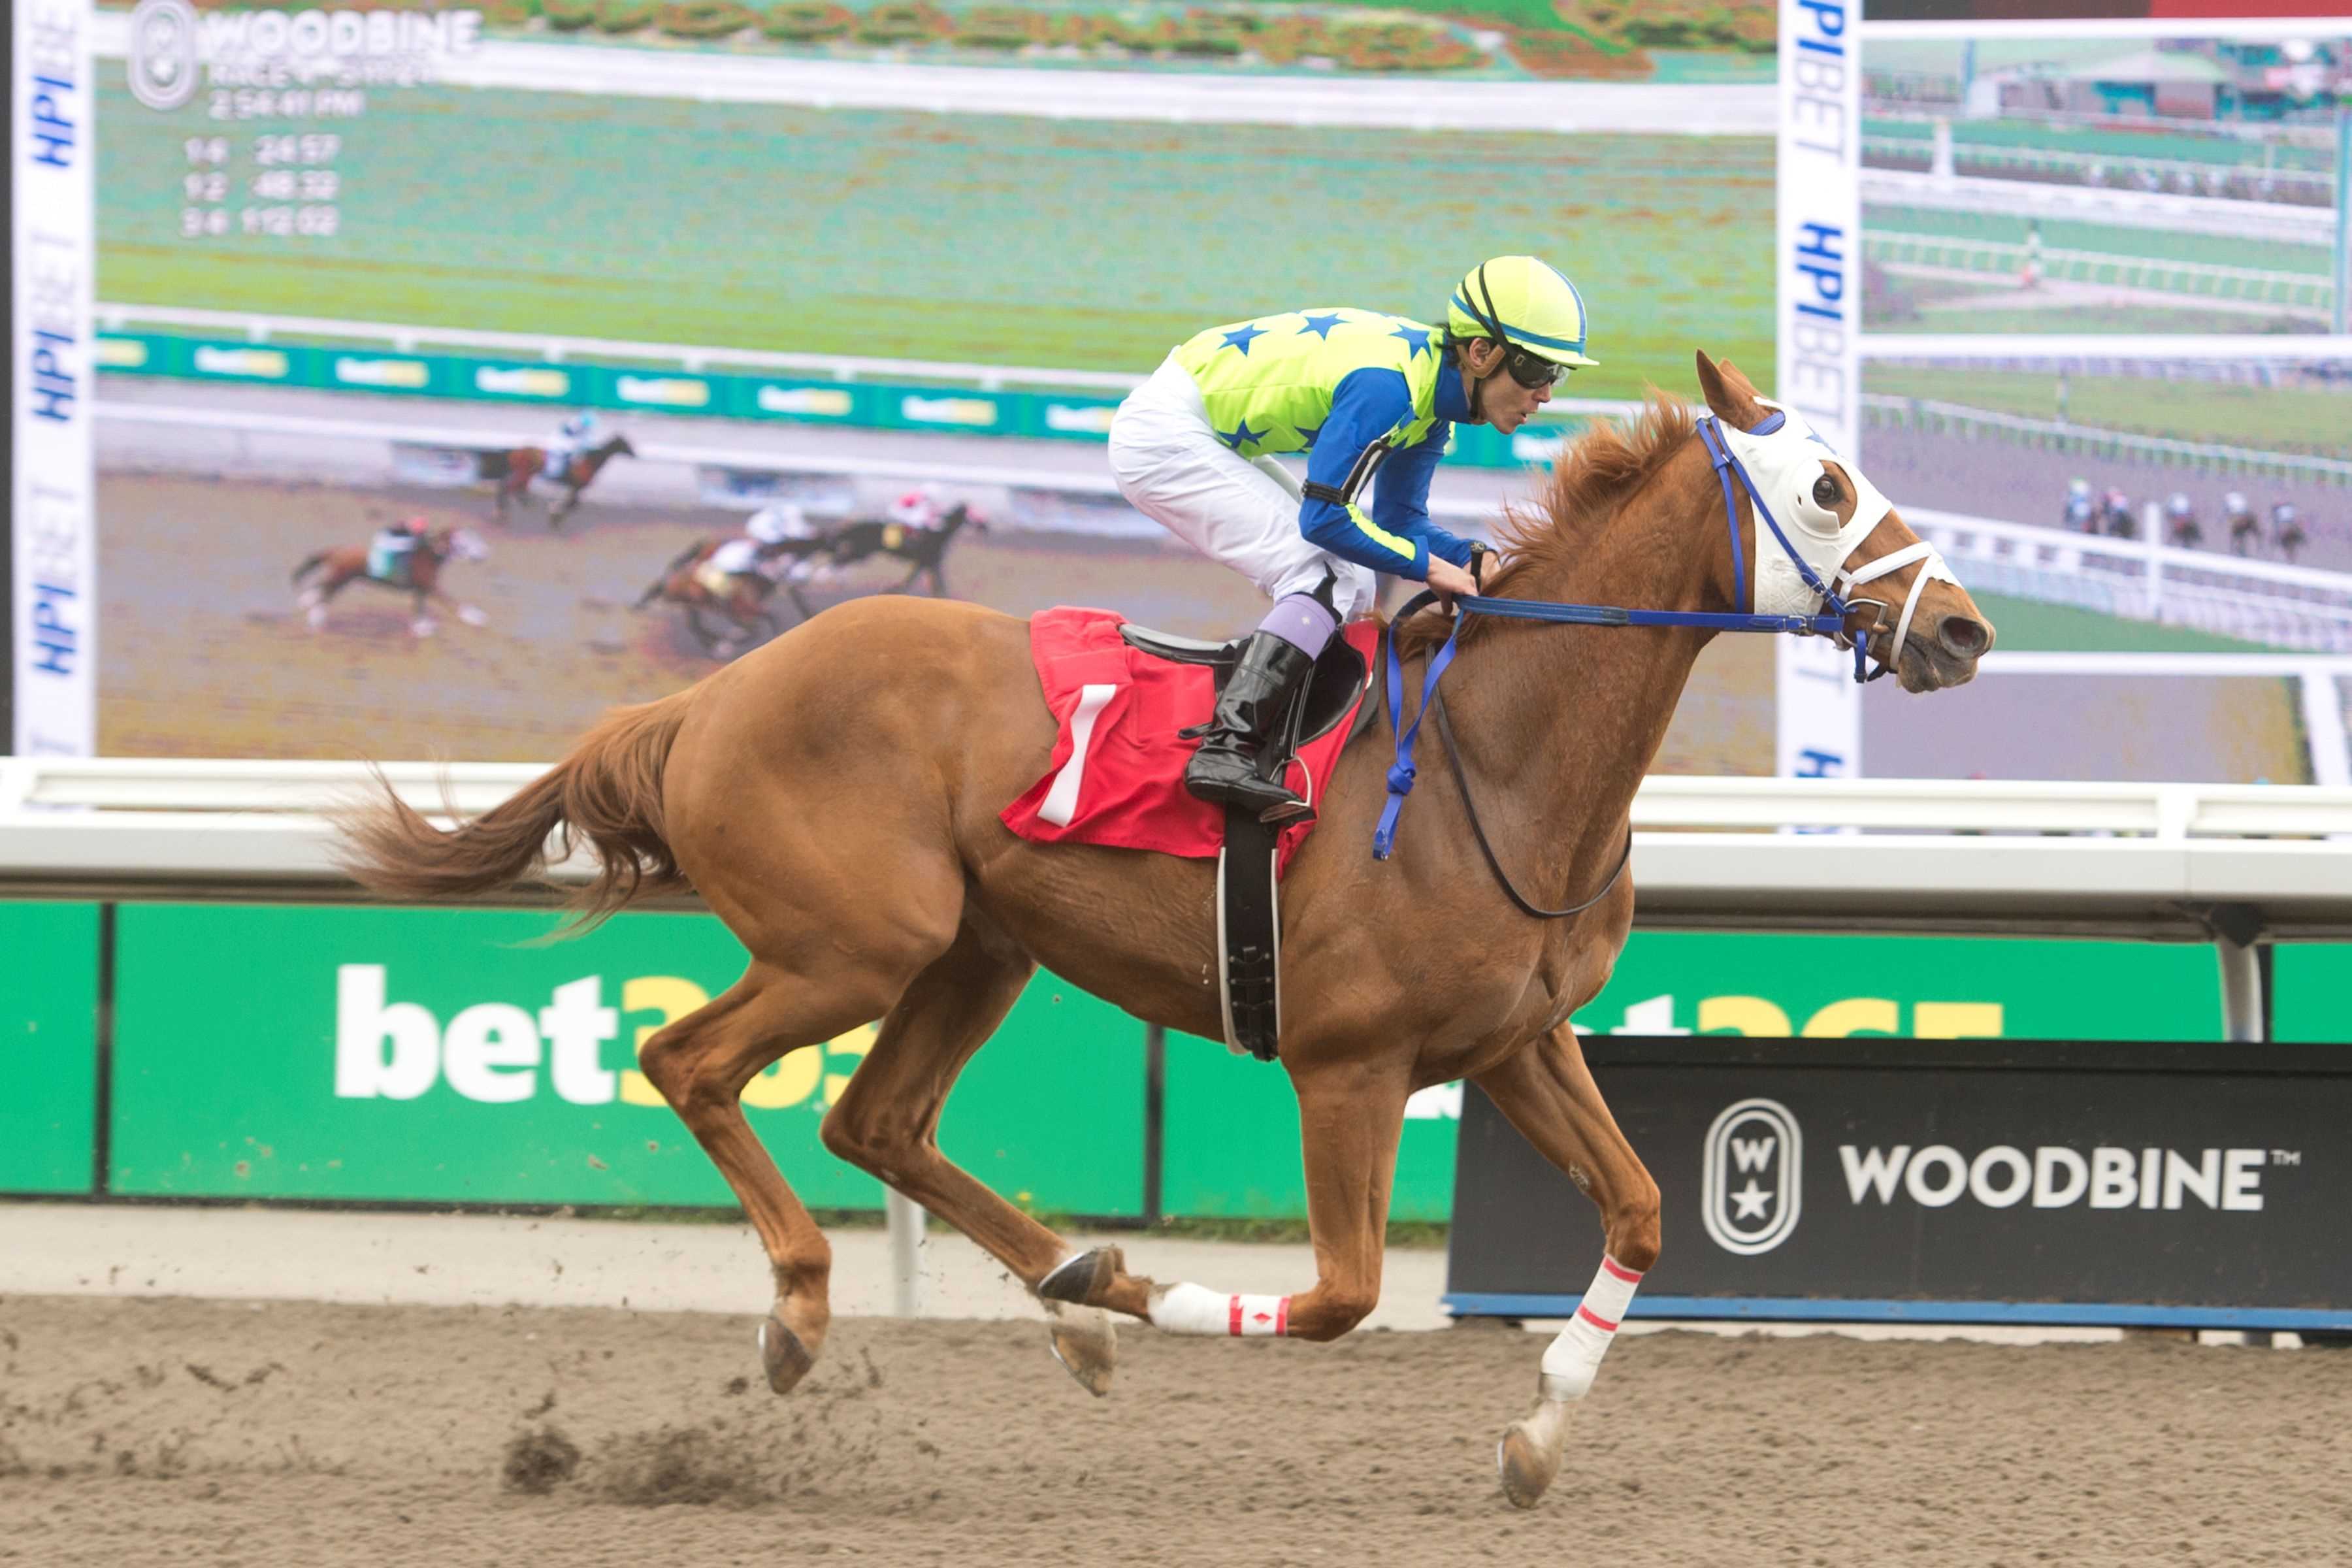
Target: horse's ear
[[1733, 400]]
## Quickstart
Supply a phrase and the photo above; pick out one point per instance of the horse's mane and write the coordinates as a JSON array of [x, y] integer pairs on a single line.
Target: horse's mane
[[1589, 483]]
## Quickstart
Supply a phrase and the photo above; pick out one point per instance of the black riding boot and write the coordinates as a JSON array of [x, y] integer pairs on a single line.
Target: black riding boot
[[1233, 761]]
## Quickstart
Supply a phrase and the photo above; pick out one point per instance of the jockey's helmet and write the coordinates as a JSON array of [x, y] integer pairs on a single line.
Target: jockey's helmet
[[1527, 306]]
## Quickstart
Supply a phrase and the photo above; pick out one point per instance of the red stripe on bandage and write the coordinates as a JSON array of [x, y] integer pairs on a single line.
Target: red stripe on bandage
[[1618, 1270], [1233, 1317], [1282, 1317], [1595, 1319]]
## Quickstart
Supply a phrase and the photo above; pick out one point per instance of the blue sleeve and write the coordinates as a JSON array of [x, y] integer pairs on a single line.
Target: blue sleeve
[[1366, 405], [1401, 498]]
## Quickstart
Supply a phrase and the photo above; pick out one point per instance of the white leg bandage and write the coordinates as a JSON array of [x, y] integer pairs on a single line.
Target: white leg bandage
[[1572, 1359], [1189, 1308]]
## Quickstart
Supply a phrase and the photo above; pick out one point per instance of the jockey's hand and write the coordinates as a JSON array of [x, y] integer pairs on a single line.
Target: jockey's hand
[[1449, 580]]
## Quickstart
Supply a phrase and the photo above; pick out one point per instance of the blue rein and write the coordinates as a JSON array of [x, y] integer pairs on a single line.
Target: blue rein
[[1833, 624]]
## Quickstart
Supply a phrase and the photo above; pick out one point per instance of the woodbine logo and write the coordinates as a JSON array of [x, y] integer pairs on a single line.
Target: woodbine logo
[[1752, 1179], [278, 48], [2056, 1176]]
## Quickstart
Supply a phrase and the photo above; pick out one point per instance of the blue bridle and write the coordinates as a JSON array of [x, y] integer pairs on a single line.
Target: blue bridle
[[1837, 621]]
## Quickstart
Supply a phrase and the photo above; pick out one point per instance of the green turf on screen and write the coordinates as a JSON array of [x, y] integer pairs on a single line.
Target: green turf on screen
[[2264, 418], [958, 237]]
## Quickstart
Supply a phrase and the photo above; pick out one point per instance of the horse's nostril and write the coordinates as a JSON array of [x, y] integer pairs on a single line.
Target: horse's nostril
[[1963, 638]]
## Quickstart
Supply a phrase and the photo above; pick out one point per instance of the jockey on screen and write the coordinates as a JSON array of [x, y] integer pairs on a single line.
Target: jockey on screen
[[922, 507], [1361, 392], [575, 436], [767, 534]]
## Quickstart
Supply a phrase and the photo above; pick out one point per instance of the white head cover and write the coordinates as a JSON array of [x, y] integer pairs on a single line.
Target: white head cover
[[1784, 465]]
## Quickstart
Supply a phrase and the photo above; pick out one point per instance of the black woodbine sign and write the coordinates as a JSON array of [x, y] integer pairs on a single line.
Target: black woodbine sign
[[1941, 1180]]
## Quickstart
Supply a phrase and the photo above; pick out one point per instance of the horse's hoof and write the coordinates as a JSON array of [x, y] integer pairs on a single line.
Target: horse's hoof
[[1529, 1454], [780, 1352], [1078, 1279], [1085, 1341]]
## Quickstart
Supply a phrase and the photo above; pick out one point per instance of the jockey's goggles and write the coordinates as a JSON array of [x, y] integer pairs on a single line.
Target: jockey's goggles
[[1531, 370]]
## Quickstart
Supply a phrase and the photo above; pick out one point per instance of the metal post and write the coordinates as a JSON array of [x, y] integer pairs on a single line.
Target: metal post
[[906, 1218], [2242, 989], [1155, 1106], [2343, 208], [1939, 162]]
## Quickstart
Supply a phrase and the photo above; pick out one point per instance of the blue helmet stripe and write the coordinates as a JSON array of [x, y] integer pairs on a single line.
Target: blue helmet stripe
[[1521, 335]]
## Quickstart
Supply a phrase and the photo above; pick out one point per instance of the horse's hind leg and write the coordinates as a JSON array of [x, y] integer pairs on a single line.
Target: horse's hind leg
[[1548, 1093], [1349, 1117], [700, 1063], [887, 1122]]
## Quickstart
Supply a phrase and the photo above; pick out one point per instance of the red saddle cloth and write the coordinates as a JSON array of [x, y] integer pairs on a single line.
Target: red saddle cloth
[[1118, 773]]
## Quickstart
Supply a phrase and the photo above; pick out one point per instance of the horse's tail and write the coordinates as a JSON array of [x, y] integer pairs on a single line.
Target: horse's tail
[[492, 465], [607, 792], [310, 564]]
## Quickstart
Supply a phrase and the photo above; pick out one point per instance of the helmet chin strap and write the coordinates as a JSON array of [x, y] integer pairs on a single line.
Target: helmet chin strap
[[1478, 393]]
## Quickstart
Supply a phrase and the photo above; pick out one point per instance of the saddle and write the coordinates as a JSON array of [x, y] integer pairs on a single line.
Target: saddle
[[1249, 907]]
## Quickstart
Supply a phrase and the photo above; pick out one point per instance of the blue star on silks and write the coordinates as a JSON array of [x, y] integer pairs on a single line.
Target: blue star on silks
[[1321, 325], [1418, 337], [1241, 337], [1240, 435], [1308, 433]]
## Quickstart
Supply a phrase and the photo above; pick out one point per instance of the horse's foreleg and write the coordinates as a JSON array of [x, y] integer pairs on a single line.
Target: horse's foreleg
[[563, 508], [1349, 1118], [887, 1122], [1547, 1092], [700, 1063], [472, 614]]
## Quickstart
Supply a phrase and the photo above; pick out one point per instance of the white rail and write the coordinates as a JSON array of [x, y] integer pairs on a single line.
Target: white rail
[[1899, 250], [2148, 580], [2093, 168], [2049, 349], [1883, 408], [1929, 854], [2277, 222], [710, 459], [1402, 102]]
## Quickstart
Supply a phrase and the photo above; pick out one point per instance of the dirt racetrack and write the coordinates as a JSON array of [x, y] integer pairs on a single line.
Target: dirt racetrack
[[155, 1431], [204, 653]]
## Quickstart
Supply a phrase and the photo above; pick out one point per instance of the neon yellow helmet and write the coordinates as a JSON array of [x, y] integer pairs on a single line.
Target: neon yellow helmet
[[1522, 303]]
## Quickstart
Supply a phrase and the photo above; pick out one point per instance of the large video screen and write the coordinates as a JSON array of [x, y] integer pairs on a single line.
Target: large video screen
[[338, 300], [566, 295]]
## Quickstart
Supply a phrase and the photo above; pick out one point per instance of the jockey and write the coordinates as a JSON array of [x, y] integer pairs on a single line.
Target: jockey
[[573, 437], [766, 535], [1360, 392], [922, 506], [394, 550]]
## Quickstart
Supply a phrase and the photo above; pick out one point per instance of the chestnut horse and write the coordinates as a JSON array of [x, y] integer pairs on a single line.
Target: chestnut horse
[[339, 567], [833, 798], [514, 468]]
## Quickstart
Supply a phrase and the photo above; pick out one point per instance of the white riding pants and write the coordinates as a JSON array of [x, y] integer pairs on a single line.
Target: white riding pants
[[1242, 513]]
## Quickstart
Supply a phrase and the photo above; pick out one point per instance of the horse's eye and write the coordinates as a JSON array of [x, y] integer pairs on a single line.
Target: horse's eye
[[1825, 493]]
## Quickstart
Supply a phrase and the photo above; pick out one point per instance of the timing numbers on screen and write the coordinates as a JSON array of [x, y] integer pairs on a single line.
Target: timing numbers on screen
[[202, 187], [289, 220], [297, 185], [316, 147], [197, 222], [207, 149]]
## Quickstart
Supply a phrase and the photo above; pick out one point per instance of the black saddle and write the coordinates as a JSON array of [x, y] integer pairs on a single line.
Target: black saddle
[[1331, 694], [1249, 911]]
